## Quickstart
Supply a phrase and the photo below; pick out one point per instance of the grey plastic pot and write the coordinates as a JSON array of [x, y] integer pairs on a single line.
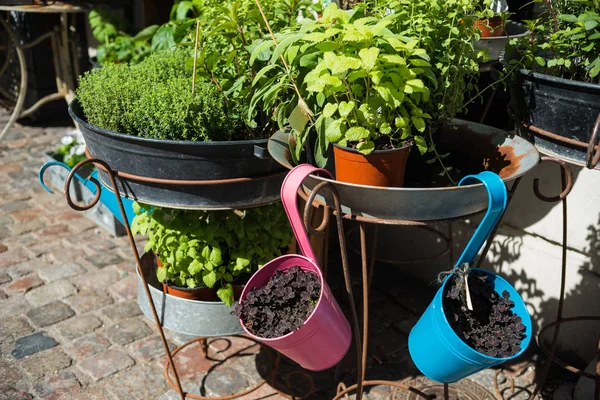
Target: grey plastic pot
[[196, 318]]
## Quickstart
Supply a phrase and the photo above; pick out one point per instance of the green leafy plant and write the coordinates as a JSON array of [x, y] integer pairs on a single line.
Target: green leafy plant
[[72, 149], [564, 41], [153, 99], [118, 46], [212, 248], [407, 63]]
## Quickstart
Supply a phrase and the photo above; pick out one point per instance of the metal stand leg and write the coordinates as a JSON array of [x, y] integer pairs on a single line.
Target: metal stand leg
[[23, 87]]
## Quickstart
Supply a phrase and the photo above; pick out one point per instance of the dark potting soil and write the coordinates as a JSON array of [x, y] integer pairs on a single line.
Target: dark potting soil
[[282, 305], [492, 328]]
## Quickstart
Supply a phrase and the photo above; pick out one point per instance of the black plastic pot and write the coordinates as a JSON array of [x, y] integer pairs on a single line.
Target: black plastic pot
[[177, 173], [561, 106]]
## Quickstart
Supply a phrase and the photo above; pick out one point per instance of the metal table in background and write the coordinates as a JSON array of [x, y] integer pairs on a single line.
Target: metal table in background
[[63, 53]]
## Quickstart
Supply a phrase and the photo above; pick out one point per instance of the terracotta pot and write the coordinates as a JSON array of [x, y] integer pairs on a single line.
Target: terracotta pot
[[492, 27], [201, 293], [380, 168]]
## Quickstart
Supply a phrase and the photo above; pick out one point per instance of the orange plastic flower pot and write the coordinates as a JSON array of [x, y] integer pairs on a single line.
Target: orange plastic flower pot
[[380, 168], [492, 27]]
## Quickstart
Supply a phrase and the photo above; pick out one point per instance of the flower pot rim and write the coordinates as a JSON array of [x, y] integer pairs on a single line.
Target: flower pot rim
[[406, 145], [527, 339], [551, 78], [321, 279], [80, 120], [504, 37]]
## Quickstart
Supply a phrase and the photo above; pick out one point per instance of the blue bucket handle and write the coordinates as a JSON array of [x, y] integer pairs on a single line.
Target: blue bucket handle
[[65, 166], [497, 200], [107, 197]]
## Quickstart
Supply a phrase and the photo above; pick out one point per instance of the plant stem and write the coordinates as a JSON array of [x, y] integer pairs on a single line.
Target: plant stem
[[437, 156], [195, 57]]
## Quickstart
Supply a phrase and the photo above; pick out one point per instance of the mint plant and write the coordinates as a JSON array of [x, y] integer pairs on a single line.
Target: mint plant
[[212, 248], [564, 41], [282, 305]]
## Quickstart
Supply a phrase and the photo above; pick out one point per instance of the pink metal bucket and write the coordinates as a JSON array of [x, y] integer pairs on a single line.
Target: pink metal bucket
[[325, 337]]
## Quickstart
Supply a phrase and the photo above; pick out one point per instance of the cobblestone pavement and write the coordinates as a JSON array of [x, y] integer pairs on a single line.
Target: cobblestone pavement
[[70, 326]]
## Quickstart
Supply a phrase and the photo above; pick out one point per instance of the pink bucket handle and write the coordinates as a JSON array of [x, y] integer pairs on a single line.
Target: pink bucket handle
[[289, 198]]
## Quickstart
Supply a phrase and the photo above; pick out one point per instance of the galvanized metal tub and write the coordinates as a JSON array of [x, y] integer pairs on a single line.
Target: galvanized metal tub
[[196, 318], [500, 151], [496, 45]]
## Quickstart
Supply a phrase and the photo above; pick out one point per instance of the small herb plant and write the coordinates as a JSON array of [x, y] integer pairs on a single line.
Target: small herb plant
[[212, 248], [154, 99], [407, 63], [282, 305], [491, 328], [564, 41], [72, 149], [116, 45]]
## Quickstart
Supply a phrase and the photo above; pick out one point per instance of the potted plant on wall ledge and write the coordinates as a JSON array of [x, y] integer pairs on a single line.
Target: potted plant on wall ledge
[[491, 21], [556, 77]]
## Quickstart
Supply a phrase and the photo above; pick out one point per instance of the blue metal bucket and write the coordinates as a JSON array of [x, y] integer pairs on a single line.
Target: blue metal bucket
[[107, 197], [438, 352]]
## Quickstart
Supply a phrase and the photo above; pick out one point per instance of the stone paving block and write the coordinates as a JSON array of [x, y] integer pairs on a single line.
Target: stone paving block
[[13, 306], [26, 214], [3, 248], [3, 295], [102, 245], [29, 226], [188, 387], [190, 363], [104, 259], [9, 372], [46, 362], [50, 292], [91, 393], [122, 310], [225, 381], [127, 331], [53, 232], [12, 393], [57, 386], [98, 279], [38, 248], [24, 268], [139, 383], [77, 326], [106, 363], [31, 344], [50, 314], [125, 289], [13, 256], [4, 277], [23, 284], [61, 271], [146, 349], [15, 205], [86, 346], [14, 327], [87, 300], [406, 325], [4, 232]]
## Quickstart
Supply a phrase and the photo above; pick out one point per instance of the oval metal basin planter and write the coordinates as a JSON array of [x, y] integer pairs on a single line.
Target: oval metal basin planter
[[196, 318], [184, 174], [496, 150], [563, 107], [496, 45]]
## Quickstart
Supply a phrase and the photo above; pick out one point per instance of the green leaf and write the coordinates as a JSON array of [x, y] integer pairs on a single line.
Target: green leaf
[[163, 39], [146, 33], [333, 132], [226, 294], [419, 63], [260, 73], [266, 45], [345, 108], [594, 36], [385, 128], [416, 83], [283, 45], [215, 256], [421, 144], [567, 17], [298, 118], [419, 123], [209, 278], [589, 25], [161, 274], [329, 110], [195, 267], [366, 147], [357, 133], [369, 57], [589, 47]]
